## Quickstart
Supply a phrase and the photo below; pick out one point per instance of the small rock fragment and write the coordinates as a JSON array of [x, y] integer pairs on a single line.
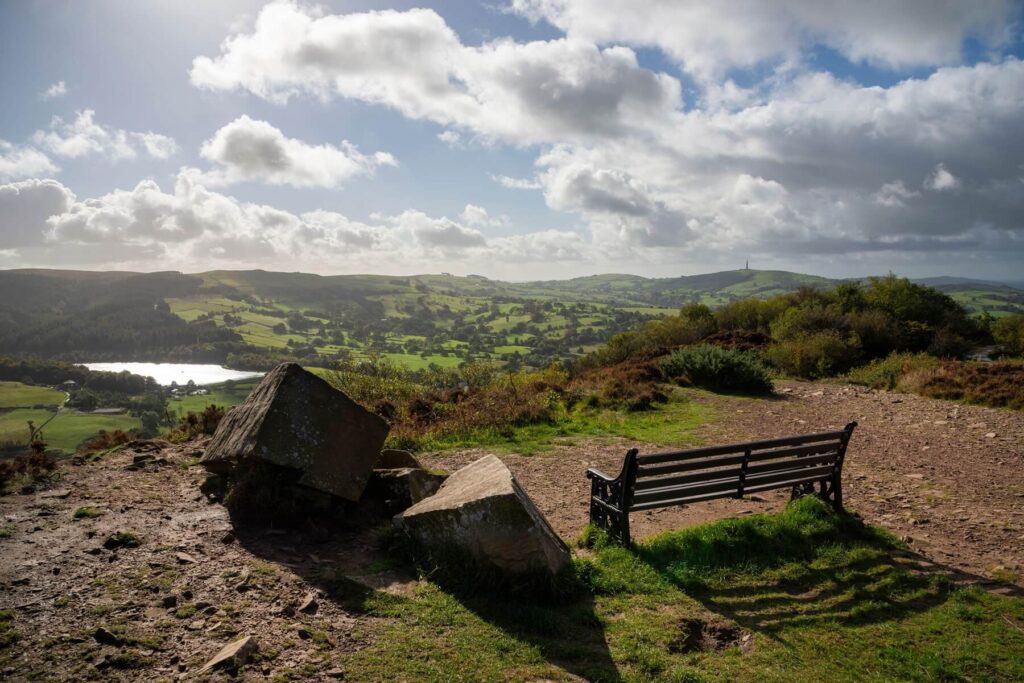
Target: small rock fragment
[[105, 637], [233, 655], [309, 604]]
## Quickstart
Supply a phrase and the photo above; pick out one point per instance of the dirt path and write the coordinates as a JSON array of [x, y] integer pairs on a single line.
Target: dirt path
[[945, 477]]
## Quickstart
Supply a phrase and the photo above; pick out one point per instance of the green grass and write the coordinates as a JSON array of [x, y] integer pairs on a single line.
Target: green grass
[[66, 430], [18, 395], [220, 395], [823, 597], [86, 513], [670, 424]]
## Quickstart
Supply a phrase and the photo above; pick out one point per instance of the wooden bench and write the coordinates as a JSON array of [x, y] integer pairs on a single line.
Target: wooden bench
[[681, 477]]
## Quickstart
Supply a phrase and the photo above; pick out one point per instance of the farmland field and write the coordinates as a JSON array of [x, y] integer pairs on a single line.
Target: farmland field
[[64, 431], [18, 395]]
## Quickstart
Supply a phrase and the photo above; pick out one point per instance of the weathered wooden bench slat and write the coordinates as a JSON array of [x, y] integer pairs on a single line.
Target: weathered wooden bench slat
[[733, 473], [653, 458], [646, 481]]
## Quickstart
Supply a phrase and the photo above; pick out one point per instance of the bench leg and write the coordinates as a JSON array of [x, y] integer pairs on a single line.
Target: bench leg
[[616, 524]]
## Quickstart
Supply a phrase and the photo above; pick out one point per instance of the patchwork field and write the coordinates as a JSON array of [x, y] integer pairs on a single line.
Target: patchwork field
[[63, 430]]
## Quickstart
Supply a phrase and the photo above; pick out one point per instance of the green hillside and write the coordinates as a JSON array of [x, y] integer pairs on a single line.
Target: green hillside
[[255, 318]]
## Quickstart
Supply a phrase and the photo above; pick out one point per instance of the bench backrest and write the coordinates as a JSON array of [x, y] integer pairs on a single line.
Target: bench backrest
[[664, 479]]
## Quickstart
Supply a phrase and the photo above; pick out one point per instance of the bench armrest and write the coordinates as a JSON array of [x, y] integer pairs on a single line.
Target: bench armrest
[[593, 473]]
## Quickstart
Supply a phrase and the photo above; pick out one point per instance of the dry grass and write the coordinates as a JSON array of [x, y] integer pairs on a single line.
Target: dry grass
[[999, 384]]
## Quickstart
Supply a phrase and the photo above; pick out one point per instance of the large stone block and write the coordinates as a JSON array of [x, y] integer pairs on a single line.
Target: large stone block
[[482, 509], [296, 420]]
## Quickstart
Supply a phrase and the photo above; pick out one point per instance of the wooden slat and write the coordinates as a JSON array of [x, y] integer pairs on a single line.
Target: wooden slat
[[725, 484], [823, 447], [655, 458], [731, 483], [651, 485], [709, 476], [793, 463], [802, 474], [688, 466], [682, 501], [707, 463]]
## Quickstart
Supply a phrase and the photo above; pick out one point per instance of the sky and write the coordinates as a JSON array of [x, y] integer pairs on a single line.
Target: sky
[[515, 139]]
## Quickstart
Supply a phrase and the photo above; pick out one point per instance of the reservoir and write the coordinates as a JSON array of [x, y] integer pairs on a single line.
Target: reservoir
[[165, 373]]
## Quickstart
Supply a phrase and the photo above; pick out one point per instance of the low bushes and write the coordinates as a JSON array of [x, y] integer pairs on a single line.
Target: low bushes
[[999, 384], [197, 424], [27, 472], [715, 368], [888, 372], [810, 356]]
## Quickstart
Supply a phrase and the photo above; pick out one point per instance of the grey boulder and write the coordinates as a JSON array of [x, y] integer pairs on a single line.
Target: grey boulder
[[296, 420], [481, 509]]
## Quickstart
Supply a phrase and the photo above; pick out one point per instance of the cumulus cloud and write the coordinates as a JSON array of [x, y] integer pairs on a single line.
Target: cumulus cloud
[[24, 208], [192, 227], [522, 93], [23, 162], [709, 37], [251, 150], [516, 183], [450, 138], [58, 89], [941, 180], [85, 136]]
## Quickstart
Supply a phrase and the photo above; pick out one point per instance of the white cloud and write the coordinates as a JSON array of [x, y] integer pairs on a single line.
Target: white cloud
[[84, 136], [157, 146], [521, 93], [894, 194], [516, 183], [709, 37], [192, 227], [23, 162], [437, 232], [450, 138], [941, 180], [478, 216], [58, 89], [24, 208], [250, 150]]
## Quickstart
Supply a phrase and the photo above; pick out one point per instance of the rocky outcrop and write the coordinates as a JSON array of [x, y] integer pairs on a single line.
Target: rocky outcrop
[[296, 420], [394, 459], [482, 510], [402, 487]]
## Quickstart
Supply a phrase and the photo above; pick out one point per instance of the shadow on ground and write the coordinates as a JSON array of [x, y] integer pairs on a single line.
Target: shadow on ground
[[847, 574], [346, 563]]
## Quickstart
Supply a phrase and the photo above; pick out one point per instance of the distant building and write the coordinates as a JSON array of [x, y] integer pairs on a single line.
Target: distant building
[[69, 384]]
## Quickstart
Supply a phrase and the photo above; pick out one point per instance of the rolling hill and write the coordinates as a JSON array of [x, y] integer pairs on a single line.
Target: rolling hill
[[254, 318]]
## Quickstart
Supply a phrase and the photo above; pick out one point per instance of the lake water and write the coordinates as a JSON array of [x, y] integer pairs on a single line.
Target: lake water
[[165, 373]]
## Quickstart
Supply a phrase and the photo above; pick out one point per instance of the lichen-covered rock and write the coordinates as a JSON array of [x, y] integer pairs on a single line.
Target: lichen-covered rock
[[296, 420], [401, 487], [481, 509], [395, 459]]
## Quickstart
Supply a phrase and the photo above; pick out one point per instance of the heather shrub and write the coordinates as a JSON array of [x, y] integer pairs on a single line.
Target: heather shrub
[[888, 372], [718, 369], [811, 356], [1009, 332], [195, 425]]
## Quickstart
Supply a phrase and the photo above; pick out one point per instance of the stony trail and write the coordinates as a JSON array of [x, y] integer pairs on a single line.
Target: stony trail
[[945, 477]]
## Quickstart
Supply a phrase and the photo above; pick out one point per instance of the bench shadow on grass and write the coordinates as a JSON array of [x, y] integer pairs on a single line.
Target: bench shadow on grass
[[834, 570], [345, 564]]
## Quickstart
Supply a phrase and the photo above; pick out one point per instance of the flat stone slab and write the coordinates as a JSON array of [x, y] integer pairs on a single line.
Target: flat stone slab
[[297, 420], [483, 510]]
